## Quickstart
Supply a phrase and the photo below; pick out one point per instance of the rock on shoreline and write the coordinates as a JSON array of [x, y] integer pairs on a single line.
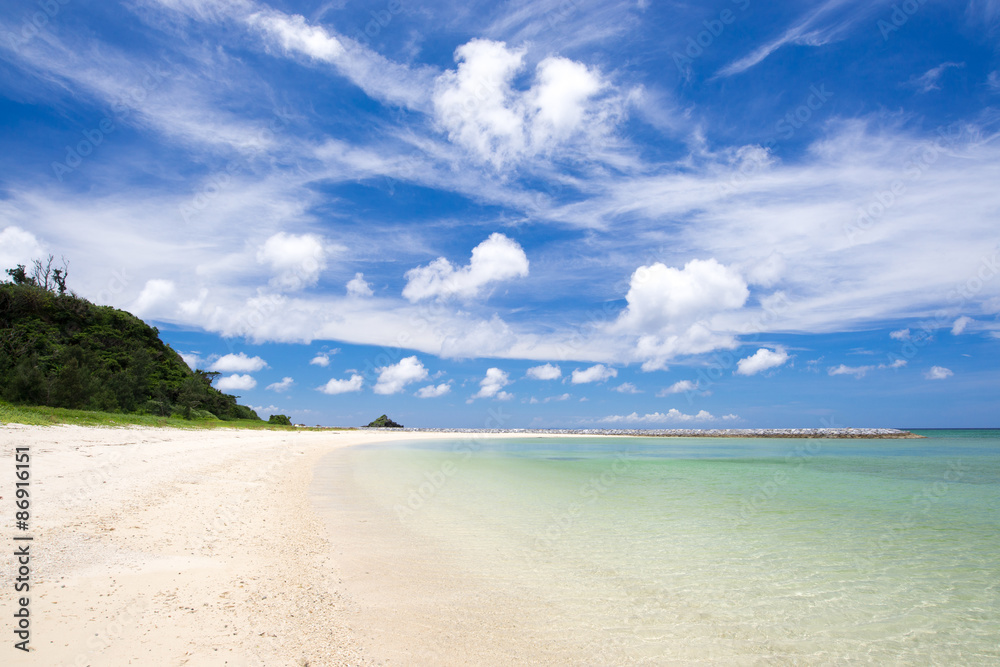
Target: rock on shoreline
[[887, 433]]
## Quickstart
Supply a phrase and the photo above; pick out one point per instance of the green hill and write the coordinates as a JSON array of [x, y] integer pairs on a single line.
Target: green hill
[[59, 350]]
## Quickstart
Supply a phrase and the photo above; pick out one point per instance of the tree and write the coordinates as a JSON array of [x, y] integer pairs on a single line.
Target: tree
[[208, 377], [19, 277], [281, 420], [59, 350], [43, 274], [59, 278]]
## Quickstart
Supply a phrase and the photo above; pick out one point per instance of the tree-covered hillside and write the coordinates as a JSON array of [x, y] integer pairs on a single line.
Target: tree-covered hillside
[[59, 350]]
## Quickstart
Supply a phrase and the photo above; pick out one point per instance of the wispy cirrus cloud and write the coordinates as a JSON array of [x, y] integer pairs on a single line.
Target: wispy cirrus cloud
[[828, 22], [930, 79], [306, 178]]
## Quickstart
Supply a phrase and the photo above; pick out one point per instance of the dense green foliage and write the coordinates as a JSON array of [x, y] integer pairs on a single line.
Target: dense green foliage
[[281, 420], [384, 422], [62, 351]]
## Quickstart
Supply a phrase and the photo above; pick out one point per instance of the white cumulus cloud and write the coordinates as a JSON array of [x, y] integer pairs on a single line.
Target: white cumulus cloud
[[671, 309], [358, 287], [671, 416], [901, 334], [432, 391], [491, 385], [495, 259], [477, 105], [938, 373], [627, 388], [678, 387], [335, 386], [285, 384], [238, 363], [191, 359], [596, 373], [321, 359], [235, 382], [155, 294], [761, 360], [544, 372], [18, 247], [392, 379], [558, 100], [295, 260], [661, 296]]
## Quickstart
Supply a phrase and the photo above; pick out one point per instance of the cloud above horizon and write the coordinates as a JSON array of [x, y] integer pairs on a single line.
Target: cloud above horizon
[[335, 386], [479, 108], [393, 378], [596, 373], [496, 259], [491, 385], [544, 372], [238, 363], [672, 416], [284, 385], [760, 361], [938, 373], [530, 187], [235, 382]]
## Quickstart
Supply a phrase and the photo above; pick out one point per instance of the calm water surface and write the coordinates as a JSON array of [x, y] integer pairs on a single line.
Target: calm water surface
[[685, 551]]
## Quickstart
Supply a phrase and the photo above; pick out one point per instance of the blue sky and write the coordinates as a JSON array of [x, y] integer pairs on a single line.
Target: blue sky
[[551, 214]]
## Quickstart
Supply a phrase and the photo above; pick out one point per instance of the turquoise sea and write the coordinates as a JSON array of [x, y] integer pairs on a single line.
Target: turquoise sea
[[673, 551]]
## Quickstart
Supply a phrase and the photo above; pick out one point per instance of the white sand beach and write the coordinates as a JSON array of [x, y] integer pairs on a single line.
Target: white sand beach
[[176, 547], [259, 548]]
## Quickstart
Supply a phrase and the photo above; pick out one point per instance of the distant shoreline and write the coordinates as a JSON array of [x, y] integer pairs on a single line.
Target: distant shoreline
[[861, 433]]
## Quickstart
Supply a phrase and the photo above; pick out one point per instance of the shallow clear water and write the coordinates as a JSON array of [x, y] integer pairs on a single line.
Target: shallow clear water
[[678, 551]]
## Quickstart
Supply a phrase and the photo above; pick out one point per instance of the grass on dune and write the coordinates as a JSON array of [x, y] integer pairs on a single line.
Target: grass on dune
[[45, 416]]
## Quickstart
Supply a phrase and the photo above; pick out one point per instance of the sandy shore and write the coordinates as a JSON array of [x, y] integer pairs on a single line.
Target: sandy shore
[[174, 547]]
